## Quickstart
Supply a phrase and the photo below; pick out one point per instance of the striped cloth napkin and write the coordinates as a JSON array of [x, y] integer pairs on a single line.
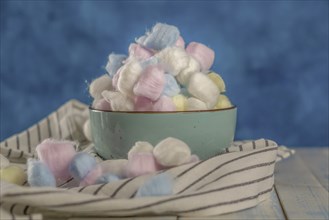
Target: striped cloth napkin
[[237, 178]]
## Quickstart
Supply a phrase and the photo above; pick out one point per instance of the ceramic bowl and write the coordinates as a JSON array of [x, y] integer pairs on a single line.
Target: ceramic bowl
[[206, 132]]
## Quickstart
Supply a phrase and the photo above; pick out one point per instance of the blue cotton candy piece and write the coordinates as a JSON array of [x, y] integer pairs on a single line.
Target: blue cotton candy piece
[[114, 63], [159, 185], [38, 174], [107, 178], [171, 87], [162, 36], [81, 164]]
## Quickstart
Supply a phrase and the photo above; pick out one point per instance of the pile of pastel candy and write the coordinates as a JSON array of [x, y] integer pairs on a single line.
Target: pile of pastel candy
[[58, 161], [160, 74]]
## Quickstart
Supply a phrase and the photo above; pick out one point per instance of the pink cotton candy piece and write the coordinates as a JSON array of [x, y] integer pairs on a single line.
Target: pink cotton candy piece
[[163, 104], [203, 54], [57, 155], [150, 83], [139, 52], [143, 104], [102, 104], [140, 164], [92, 176], [180, 42]]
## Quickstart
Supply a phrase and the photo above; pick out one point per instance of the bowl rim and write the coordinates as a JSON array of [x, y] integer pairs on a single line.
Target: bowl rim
[[163, 112]]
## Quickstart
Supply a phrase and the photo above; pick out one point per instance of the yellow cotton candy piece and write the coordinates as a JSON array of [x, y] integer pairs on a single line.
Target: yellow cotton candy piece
[[180, 102], [218, 80], [13, 174], [223, 102]]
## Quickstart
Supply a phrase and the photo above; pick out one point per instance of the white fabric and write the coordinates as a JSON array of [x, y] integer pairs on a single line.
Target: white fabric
[[239, 177]]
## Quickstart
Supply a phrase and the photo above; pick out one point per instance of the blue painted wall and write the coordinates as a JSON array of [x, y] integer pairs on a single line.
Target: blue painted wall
[[273, 56]]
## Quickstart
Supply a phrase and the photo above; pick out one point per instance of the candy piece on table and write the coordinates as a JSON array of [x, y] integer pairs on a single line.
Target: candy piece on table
[[172, 152], [218, 80], [164, 104], [161, 36], [129, 75], [143, 104], [92, 176], [4, 162], [203, 54], [184, 76], [171, 87], [107, 178], [39, 174], [114, 63], [140, 164], [180, 102], [115, 167], [194, 104], [140, 147], [150, 83], [180, 42], [223, 102], [13, 174], [139, 52], [158, 185], [86, 130], [118, 101], [81, 164], [99, 85], [203, 88], [101, 104], [57, 155], [174, 59]]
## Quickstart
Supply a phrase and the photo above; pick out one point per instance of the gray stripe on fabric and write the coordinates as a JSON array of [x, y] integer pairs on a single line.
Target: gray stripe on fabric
[[58, 125], [165, 200], [229, 202], [238, 171], [39, 133], [120, 187], [17, 142], [225, 163], [28, 140], [49, 128]]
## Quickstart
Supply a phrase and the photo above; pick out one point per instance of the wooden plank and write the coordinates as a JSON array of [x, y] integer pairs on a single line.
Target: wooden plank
[[300, 193], [317, 160], [269, 209]]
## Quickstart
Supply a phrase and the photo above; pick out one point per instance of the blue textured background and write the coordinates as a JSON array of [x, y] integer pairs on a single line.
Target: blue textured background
[[273, 56]]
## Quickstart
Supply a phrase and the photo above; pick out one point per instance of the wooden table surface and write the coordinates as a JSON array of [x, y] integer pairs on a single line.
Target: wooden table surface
[[301, 191]]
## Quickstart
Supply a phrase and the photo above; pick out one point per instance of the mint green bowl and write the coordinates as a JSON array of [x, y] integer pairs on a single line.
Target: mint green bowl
[[206, 132]]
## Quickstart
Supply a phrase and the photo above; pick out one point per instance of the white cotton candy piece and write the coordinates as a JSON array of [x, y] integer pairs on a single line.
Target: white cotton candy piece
[[118, 101], [140, 147], [86, 130], [175, 59], [172, 152], [4, 162], [129, 75], [194, 104], [184, 76], [115, 167], [203, 88], [99, 85]]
